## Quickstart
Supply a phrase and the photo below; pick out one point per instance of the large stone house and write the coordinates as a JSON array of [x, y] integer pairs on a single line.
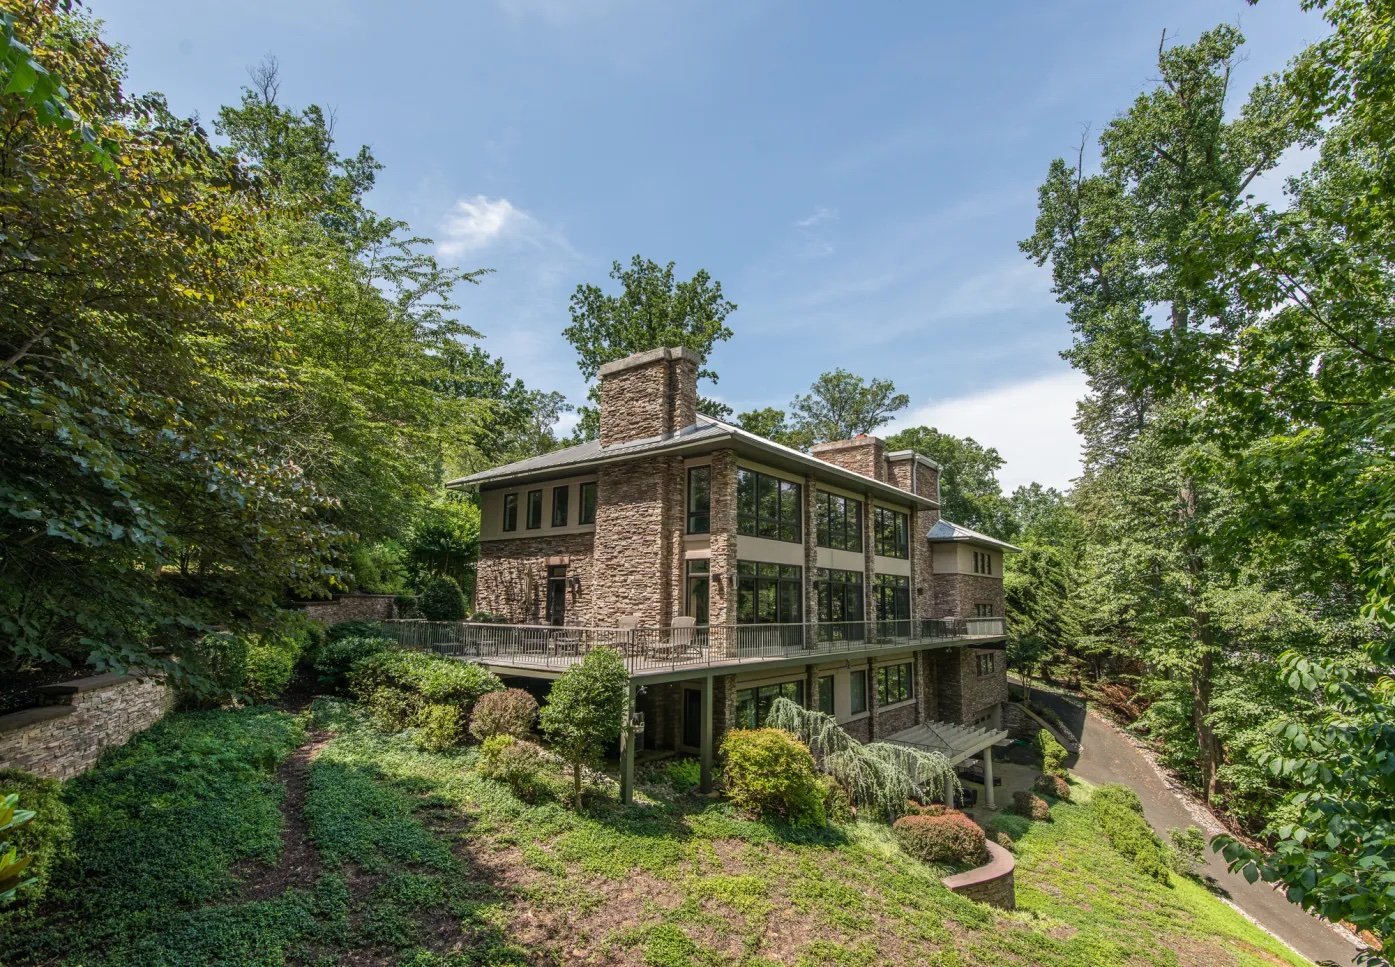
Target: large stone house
[[730, 570]]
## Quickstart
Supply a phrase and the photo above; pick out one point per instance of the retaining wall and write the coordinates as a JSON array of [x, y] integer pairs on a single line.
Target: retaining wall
[[991, 883], [351, 607]]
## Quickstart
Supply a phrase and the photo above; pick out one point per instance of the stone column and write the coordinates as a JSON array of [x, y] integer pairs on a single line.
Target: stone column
[[721, 584], [811, 558], [872, 699], [705, 747], [869, 564], [988, 798]]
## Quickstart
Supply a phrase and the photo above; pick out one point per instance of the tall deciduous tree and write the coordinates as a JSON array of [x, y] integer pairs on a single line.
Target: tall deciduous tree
[[652, 309], [773, 424], [840, 405], [970, 493]]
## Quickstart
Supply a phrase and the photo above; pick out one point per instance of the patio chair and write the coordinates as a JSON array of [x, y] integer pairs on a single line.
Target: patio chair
[[678, 644], [625, 641]]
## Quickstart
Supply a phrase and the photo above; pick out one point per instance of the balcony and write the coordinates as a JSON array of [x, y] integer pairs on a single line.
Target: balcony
[[546, 650]]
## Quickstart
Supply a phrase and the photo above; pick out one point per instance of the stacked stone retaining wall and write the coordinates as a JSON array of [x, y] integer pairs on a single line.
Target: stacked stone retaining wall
[[351, 607]]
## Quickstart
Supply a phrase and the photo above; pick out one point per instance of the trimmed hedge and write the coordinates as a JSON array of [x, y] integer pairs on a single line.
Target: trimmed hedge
[[339, 655], [1054, 786], [948, 838], [1120, 816], [438, 727], [509, 712], [771, 773], [48, 837], [1033, 807], [442, 600], [412, 689], [1053, 754]]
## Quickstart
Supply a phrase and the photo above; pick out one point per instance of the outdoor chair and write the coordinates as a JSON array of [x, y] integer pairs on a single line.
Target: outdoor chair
[[680, 643]]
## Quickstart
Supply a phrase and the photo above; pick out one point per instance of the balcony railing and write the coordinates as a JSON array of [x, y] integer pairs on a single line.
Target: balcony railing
[[658, 650]]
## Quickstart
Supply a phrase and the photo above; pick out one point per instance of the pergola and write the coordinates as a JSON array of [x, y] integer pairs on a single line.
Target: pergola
[[956, 743]]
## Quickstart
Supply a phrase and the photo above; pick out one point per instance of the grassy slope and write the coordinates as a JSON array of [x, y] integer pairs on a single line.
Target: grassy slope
[[423, 863]]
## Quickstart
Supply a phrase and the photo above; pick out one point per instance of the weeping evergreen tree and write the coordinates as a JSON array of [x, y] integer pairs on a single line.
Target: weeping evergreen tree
[[878, 776]]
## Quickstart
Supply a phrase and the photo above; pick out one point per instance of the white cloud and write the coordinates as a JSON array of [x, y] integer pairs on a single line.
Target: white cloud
[[474, 224], [817, 217], [1030, 424]]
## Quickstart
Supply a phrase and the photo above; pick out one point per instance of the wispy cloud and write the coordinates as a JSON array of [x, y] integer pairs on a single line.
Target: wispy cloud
[[475, 224], [817, 217]]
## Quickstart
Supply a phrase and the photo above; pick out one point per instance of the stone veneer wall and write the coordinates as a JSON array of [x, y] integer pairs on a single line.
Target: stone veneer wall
[[955, 594], [511, 578], [891, 721], [639, 540], [351, 607], [648, 394], [960, 694], [862, 454], [64, 740], [993, 883], [984, 692]]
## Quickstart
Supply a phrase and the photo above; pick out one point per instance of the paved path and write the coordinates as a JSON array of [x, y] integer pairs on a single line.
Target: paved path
[[1106, 756]]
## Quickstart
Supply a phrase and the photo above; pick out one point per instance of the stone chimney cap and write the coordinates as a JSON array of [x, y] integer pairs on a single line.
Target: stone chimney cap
[[647, 357]]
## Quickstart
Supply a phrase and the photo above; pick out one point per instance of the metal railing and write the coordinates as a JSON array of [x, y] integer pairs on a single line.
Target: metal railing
[[655, 650]]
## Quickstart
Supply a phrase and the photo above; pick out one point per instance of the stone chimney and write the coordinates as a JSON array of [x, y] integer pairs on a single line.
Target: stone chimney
[[862, 454], [910, 471], [648, 394]]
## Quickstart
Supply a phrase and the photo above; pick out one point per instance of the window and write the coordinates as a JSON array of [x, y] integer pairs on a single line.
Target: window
[[510, 512], [534, 509], [588, 504], [557, 595], [826, 694], [893, 597], [986, 663], [840, 595], [895, 683], [769, 593], [893, 532], [839, 521], [857, 684], [983, 562], [982, 610], [698, 584], [699, 500], [753, 704], [767, 506], [559, 505]]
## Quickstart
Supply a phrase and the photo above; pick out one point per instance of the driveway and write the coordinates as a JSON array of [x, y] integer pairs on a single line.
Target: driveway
[[1106, 756]]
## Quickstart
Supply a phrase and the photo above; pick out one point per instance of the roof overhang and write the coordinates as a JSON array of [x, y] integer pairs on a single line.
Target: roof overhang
[[955, 742]]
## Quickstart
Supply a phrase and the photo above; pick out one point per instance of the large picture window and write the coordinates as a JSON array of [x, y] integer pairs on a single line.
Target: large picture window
[[840, 594], [893, 532], [893, 596], [510, 512], [826, 694], [699, 500], [767, 506], [769, 593], [895, 683], [587, 511], [753, 704], [838, 521]]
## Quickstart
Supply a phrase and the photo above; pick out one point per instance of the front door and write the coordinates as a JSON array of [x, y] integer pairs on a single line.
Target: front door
[[692, 717], [557, 595]]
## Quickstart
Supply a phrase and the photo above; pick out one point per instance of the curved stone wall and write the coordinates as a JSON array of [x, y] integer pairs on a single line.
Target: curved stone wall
[[990, 883]]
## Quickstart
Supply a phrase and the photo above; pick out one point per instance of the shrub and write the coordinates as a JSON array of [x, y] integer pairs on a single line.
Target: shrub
[[442, 600], [509, 712], [391, 709], [683, 775], [406, 606], [47, 839], [950, 838], [585, 710], [1003, 840], [339, 655], [1054, 786], [271, 662], [353, 629], [1053, 754], [434, 678], [770, 773], [1188, 848], [219, 663], [514, 762], [438, 727], [926, 809], [1033, 807], [1119, 815], [837, 804]]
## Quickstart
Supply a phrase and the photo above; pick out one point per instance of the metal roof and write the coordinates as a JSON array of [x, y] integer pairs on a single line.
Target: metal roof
[[702, 435], [945, 530]]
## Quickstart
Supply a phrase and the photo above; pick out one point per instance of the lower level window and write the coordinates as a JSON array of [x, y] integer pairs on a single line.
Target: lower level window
[[698, 583], [982, 610], [753, 704], [986, 663], [826, 694], [857, 686], [895, 683]]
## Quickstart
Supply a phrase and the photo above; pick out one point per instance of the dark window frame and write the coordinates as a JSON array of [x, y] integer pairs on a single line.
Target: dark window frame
[[697, 572], [857, 696], [841, 595], [838, 521], [769, 593], [510, 512], [586, 511], [986, 663], [533, 513], [892, 532], [769, 507], [891, 595], [700, 517], [753, 704], [825, 688], [561, 505], [895, 683]]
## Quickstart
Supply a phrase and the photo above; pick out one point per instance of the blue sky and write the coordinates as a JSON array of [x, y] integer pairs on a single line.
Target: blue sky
[[857, 176]]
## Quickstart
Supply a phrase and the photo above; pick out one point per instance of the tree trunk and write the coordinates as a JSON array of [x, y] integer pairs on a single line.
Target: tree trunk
[[1204, 646]]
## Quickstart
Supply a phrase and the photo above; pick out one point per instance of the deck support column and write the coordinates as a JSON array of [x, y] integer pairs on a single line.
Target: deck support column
[[949, 791], [627, 746], [988, 797], [705, 741]]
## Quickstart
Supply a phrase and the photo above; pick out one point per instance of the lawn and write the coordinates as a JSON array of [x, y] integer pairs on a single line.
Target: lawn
[[262, 837]]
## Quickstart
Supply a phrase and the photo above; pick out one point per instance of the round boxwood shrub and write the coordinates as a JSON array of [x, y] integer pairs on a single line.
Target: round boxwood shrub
[[48, 837], [515, 762], [438, 727], [339, 655], [837, 804], [509, 712], [770, 773], [1054, 786], [442, 600], [1033, 807], [948, 838]]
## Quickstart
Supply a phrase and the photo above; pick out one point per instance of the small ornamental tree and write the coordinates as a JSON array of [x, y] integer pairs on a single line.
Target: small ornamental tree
[[442, 600], [585, 710]]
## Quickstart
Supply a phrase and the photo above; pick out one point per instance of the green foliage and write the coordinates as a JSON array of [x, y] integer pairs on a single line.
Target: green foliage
[[438, 727], [769, 773], [442, 600], [840, 405], [44, 840], [1120, 817], [970, 493], [1031, 807], [339, 655], [586, 710], [511, 711], [1188, 848], [1052, 785], [682, 775], [837, 804], [515, 762], [773, 424], [353, 629], [218, 664], [951, 838], [271, 663], [1053, 753], [433, 677], [443, 542]]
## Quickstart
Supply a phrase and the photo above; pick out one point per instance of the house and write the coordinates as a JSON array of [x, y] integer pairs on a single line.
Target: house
[[730, 570]]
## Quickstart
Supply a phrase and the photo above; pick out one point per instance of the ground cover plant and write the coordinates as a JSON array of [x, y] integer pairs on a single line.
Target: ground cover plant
[[265, 838]]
